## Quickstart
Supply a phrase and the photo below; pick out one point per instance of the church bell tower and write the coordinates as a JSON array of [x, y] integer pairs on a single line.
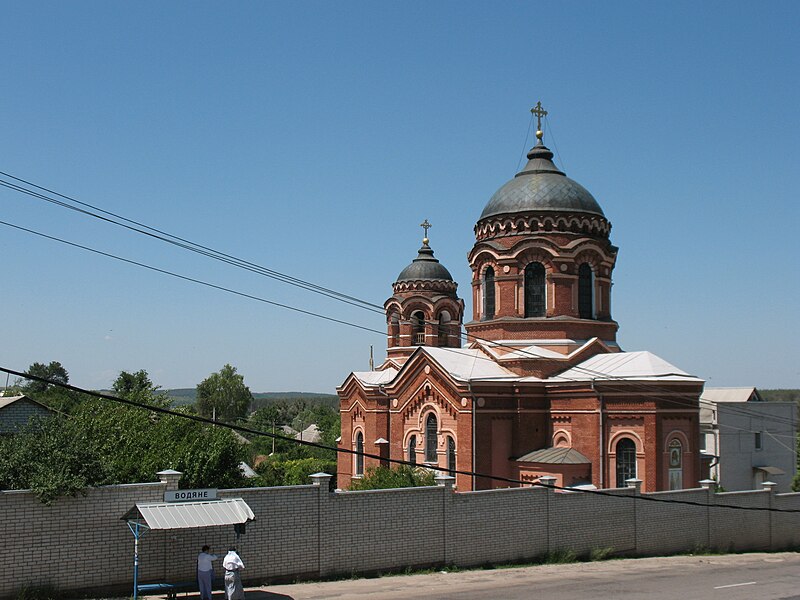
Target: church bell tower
[[542, 259], [424, 309]]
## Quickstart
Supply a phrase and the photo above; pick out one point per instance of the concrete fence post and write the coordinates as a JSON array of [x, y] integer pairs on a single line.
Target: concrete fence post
[[769, 486], [446, 482], [170, 478], [321, 479], [322, 482], [710, 486], [547, 481], [636, 484]]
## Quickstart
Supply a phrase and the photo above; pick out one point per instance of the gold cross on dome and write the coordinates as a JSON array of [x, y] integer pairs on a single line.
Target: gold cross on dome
[[425, 225], [539, 112]]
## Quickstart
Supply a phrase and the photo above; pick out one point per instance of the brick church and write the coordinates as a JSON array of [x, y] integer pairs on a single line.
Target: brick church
[[539, 386]]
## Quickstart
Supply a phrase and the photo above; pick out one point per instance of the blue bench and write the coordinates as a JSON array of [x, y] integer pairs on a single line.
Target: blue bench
[[170, 589]]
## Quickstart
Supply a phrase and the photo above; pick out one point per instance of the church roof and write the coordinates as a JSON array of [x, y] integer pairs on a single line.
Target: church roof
[[473, 364], [555, 456], [634, 366], [540, 186], [376, 377], [468, 364], [425, 266]]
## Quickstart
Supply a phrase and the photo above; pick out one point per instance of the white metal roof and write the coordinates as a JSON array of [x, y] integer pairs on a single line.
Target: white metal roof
[[181, 515], [635, 366], [376, 377], [467, 364], [728, 394]]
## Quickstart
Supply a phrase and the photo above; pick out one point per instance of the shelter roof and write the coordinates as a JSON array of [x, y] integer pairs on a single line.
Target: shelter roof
[[182, 515]]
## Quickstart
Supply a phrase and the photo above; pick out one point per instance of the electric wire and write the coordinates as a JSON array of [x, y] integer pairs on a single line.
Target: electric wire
[[600, 375], [158, 234], [192, 279], [251, 431], [214, 254]]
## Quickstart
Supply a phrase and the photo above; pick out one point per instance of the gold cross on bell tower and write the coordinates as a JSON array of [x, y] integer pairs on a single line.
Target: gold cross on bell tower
[[425, 225], [539, 112]]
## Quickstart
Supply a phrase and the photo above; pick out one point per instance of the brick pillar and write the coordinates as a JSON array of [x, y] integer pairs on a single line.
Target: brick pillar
[[547, 481], [636, 484], [170, 478], [325, 538], [710, 486]]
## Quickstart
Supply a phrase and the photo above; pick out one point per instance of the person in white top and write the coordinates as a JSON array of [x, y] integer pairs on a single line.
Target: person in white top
[[205, 572], [233, 579]]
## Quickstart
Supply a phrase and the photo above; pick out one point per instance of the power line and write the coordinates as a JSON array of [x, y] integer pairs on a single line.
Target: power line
[[163, 236], [252, 431], [166, 237], [191, 279], [600, 375]]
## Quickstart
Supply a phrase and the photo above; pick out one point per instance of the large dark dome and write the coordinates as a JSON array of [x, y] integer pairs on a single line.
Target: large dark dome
[[425, 266], [540, 186]]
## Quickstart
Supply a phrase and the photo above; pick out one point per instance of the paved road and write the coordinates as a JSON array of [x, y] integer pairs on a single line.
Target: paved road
[[732, 577]]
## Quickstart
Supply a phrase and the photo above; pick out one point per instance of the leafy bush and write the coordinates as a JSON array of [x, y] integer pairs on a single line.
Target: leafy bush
[[403, 476]]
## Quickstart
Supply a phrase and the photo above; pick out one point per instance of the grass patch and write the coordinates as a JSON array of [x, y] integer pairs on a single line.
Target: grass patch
[[601, 553]]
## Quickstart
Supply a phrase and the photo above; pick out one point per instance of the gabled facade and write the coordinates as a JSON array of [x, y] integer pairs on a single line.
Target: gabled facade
[[17, 411], [542, 387]]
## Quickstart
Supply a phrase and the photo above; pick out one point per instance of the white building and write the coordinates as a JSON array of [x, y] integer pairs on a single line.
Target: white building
[[748, 441]]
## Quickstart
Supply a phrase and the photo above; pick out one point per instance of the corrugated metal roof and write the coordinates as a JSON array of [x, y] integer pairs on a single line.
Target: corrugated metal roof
[[555, 456], [181, 515]]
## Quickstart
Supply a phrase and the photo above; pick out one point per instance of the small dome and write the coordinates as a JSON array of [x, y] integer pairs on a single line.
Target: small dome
[[425, 266], [540, 186]]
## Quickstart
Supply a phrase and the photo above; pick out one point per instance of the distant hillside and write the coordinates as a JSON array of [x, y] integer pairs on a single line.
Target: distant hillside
[[780, 395], [183, 396]]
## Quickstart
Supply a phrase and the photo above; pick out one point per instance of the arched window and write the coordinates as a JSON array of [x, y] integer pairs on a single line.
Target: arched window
[[431, 439], [412, 449], [360, 455], [585, 292], [535, 305], [451, 454], [488, 293], [394, 330], [444, 329], [626, 461], [418, 328], [675, 465]]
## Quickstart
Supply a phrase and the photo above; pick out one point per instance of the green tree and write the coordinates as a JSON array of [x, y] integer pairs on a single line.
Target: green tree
[[53, 372], [52, 458], [105, 442], [223, 394], [54, 396], [381, 478], [133, 385], [796, 479]]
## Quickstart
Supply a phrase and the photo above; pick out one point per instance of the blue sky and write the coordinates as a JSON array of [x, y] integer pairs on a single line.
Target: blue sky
[[314, 137]]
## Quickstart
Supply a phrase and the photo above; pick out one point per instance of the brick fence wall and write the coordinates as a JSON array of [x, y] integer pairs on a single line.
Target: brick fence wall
[[307, 531]]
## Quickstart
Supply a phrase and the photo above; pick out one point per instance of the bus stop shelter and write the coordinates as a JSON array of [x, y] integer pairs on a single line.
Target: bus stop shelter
[[182, 515]]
